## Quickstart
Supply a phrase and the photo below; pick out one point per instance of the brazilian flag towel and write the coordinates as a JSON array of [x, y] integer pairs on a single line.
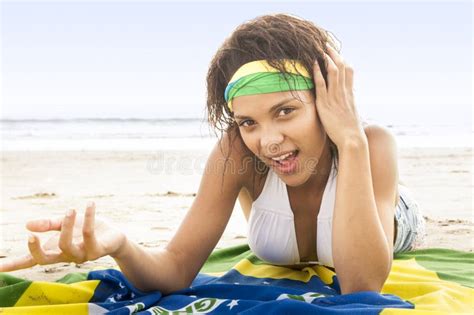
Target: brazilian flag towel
[[233, 280]]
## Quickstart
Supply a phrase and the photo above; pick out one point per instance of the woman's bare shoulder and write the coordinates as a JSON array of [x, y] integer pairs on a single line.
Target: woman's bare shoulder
[[373, 131]]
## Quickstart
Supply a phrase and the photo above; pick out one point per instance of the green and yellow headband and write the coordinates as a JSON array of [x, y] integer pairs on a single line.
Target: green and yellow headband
[[258, 77]]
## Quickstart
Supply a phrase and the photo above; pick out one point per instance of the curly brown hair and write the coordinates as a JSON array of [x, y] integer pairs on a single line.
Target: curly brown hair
[[274, 38]]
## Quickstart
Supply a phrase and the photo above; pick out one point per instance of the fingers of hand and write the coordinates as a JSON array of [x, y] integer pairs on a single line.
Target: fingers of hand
[[349, 79], [38, 254], [346, 72], [320, 84], [65, 240], [334, 75], [90, 243]]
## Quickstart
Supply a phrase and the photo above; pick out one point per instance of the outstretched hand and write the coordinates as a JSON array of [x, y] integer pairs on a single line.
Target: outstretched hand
[[80, 239]]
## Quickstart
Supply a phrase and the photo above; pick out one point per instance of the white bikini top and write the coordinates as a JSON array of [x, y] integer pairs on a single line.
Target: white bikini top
[[271, 230]]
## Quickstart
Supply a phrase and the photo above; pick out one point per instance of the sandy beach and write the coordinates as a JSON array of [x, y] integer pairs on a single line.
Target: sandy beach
[[148, 193]]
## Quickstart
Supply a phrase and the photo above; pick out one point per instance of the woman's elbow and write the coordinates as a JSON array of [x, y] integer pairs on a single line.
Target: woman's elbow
[[374, 282]]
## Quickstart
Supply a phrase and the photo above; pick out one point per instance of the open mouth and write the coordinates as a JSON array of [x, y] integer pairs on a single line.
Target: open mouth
[[290, 156]]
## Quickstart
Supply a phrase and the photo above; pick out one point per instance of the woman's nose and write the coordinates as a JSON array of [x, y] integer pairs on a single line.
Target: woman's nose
[[271, 141]]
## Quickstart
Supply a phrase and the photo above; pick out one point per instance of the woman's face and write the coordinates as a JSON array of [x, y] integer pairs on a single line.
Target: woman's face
[[273, 124]]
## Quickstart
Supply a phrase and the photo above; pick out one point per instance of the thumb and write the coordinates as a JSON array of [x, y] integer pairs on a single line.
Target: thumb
[[44, 225]]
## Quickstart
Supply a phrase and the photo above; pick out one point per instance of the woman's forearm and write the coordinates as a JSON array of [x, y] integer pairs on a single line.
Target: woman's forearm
[[360, 249], [150, 270]]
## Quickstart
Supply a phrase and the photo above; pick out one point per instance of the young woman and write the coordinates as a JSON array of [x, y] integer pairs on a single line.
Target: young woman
[[316, 184]]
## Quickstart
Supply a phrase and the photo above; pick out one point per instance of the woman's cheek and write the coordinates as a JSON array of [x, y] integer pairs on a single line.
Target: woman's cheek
[[250, 142], [305, 124]]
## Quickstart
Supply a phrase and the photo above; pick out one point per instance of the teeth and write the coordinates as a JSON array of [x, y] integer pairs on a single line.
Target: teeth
[[282, 157]]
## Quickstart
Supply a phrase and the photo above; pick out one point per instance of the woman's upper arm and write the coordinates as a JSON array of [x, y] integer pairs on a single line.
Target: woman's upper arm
[[210, 211]]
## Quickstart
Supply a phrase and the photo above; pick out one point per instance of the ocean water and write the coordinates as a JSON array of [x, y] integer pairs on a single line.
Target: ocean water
[[178, 134]]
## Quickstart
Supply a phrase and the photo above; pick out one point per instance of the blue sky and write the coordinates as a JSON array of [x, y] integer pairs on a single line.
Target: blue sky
[[149, 59]]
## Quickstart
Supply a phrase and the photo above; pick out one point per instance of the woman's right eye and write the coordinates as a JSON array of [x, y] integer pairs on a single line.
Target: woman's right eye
[[244, 122]]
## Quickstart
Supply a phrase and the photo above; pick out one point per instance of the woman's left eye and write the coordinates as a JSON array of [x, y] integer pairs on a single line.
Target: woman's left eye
[[286, 110]]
